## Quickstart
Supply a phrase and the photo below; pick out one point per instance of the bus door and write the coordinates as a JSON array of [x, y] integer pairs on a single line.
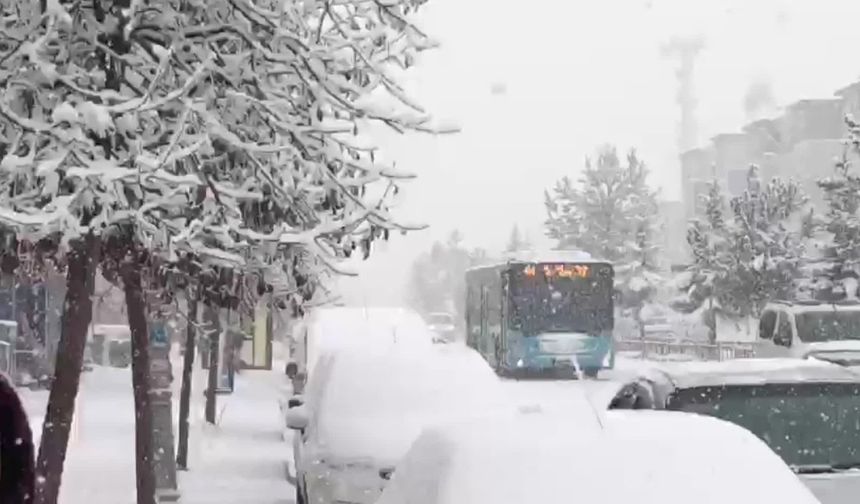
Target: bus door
[[485, 339], [503, 315]]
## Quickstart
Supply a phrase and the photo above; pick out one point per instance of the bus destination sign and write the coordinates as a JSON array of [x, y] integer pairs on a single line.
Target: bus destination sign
[[558, 270]]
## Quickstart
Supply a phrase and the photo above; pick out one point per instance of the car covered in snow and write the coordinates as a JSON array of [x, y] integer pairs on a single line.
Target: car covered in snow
[[807, 411], [361, 411], [827, 331], [628, 457], [336, 327]]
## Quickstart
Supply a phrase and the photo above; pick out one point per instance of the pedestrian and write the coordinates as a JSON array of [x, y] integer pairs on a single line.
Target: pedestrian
[[17, 459]]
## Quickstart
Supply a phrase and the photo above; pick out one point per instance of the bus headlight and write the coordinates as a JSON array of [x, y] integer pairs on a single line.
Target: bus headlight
[[520, 363]]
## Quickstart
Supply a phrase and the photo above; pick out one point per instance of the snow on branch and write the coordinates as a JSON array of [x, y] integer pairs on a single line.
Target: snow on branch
[[220, 127]]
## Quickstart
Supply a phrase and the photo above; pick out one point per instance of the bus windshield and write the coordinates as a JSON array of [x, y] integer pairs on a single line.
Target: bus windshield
[[543, 298], [830, 325]]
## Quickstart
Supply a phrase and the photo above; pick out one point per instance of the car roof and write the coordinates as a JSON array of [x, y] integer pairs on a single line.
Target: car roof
[[752, 372], [643, 456]]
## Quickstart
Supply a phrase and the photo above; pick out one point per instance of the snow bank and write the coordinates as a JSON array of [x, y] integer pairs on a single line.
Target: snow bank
[[642, 457]]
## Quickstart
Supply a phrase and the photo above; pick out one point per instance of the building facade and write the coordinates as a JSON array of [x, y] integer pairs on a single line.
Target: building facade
[[803, 144]]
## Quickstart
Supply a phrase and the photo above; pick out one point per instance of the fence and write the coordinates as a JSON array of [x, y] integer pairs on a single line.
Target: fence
[[685, 350]]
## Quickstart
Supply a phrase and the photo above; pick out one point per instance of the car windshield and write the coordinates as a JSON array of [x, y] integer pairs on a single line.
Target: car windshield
[[805, 424], [832, 325], [554, 303]]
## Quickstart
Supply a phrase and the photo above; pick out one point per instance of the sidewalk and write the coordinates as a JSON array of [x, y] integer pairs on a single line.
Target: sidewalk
[[239, 461]]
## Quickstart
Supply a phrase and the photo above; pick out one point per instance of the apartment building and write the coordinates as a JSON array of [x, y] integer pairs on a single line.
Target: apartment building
[[803, 144]]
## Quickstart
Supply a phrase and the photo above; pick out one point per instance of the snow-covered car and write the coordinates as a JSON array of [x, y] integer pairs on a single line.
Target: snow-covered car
[[337, 327], [631, 457], [807, 411], [363, 409], [442, 325], [805, 329]]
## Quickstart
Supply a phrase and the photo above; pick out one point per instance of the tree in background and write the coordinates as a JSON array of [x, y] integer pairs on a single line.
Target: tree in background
[[766, 243], [611, 213], [751, 258], [516, 241], [705, 283], [837, 235], [438, 278]]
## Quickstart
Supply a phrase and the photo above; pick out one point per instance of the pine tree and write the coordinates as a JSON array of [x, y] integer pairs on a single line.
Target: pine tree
[[840, 230], [516, 241], [706, 280], [611, 214], [766, 243]]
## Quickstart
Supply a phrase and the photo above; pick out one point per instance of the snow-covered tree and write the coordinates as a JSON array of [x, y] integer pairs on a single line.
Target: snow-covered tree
[[837, 235], [766, 246], [438, 278], [516, 241], [230, 133], [705, 283], [753, 256], [610, 213]]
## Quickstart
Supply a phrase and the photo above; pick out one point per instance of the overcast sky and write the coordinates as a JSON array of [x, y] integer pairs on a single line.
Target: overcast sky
[[577, 75]]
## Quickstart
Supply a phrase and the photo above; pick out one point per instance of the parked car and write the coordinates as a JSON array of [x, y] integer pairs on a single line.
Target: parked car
[[807, 411], [332, 328], [363, 409], [631, 457], [828, 331]]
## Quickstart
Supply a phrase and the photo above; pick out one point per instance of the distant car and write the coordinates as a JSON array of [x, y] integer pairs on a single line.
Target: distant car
[[361, 410], [631, 457], [442, 325], [807, 411]]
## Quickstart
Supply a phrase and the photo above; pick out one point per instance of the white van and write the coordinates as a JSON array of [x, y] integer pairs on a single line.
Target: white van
[[805, 329]]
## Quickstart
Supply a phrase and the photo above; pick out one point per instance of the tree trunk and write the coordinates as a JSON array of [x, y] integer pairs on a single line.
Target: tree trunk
[[214, 343], [140, 371], [185, 391], [712, 321], [77, 313]]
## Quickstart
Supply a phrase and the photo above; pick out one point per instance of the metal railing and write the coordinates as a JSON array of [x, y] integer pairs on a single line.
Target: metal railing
[[689, 350]]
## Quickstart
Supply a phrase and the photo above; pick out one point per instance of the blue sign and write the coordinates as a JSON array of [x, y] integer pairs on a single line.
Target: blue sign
[[158, 334]]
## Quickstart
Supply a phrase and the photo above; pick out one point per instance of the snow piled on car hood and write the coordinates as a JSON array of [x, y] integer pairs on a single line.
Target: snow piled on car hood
[[646, 457]]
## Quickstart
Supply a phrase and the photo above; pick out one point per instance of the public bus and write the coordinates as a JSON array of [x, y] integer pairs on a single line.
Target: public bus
[[542, 313]]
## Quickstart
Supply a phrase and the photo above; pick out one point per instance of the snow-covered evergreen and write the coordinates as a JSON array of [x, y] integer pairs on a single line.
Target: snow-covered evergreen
[[611, 213], [766, 243], [837, 233], [437, 279], [752, 256]]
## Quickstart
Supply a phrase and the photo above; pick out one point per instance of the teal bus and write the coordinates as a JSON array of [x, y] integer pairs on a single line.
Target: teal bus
[[552, 313]]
